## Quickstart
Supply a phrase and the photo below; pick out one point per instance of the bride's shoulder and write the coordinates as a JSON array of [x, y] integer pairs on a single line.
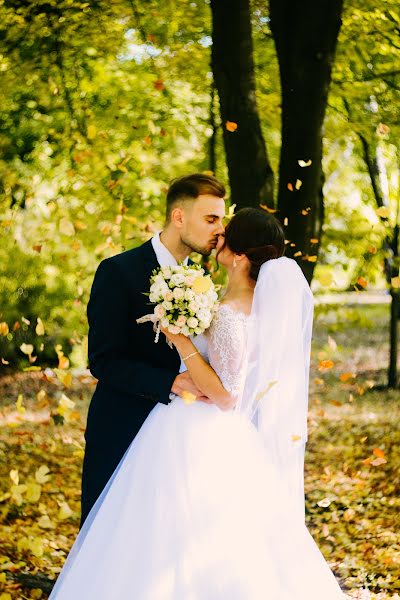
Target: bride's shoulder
[[234, 307]]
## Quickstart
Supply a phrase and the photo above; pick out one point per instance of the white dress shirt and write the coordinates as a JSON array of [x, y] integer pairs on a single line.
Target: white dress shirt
[[164, 256]]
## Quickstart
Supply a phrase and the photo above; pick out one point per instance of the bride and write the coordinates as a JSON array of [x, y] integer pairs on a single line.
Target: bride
[[208, 501]]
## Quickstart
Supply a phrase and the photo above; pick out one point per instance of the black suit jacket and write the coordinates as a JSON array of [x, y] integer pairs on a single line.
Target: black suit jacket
[[133, 372]]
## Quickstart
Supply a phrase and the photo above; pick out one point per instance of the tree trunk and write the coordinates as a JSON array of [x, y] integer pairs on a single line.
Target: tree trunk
[[394, 314], [305, 35], [250, 175]]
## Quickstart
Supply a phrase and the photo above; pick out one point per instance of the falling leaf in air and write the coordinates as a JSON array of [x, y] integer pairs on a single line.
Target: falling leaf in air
[[383, 212], [159, 85], [298, 184], [378, 452], [66, 227], [91, 132], [362, 282], [4, 329], [231, 126], [26, 348], [268, 209], [40, 327], [395, 281], [290, 187], [305, 163], [19, 404]]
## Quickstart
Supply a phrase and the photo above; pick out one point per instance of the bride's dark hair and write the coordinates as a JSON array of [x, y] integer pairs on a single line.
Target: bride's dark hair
[[258, 235]]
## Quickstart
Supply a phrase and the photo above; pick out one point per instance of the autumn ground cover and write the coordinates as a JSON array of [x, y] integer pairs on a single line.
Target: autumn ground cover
[[352, 476]]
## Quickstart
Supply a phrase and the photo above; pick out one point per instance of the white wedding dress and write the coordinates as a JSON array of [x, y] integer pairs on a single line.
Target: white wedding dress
[[195, 510]]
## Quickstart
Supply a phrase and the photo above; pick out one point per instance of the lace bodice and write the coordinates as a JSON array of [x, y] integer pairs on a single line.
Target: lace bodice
[[227, 339]]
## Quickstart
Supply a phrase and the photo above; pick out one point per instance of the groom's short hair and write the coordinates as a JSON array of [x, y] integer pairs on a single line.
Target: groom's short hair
[[190, 187]]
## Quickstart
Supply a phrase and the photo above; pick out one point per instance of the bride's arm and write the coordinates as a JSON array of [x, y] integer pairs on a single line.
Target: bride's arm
[[203, 375]]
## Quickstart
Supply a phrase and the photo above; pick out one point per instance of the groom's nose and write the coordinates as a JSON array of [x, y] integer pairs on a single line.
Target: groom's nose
[[219, 229]]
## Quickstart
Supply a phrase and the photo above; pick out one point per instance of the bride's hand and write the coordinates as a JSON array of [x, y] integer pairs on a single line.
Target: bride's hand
[[176, 338]]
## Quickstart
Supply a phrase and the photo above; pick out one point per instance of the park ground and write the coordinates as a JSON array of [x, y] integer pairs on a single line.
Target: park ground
[[351, 475]]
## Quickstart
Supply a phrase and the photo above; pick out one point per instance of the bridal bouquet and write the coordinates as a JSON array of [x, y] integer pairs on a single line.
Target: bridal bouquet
[[185, 300]]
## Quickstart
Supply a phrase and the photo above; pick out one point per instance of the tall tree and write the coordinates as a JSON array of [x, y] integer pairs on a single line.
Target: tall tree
[[250, 173], [305, 35]]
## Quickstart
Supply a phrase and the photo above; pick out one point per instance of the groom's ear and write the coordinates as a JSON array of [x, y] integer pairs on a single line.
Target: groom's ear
[[177, 216]]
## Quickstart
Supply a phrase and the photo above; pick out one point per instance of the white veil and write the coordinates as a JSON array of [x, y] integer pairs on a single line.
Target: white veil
[[276, 388]]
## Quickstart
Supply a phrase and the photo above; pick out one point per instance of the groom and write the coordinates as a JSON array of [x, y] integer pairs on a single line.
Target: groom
[[133, 372]]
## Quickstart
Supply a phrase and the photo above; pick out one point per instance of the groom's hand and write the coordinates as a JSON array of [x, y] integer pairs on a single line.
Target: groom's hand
[[184, 383]]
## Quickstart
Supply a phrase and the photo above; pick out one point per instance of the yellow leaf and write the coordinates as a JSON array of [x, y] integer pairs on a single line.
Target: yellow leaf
[[42, 474], [66, 227], [395, 281], [65, 405], [33, 492], [64, 377], [5, 596], [65, 511], [362, 282], [290, 187], [80, 226], [45, 523], [378, 461], [383, 212], [304, 163], [378, 452], [314, 240], [231, 126], [36, 547], [63, 362], [269, 210], [4, 329], [26, 348], [5, 362], [16, 492], [312, 259], [298, 184], [19, 404], [14, 476], [188, 397], [39, 327], [91, 132], [263, 392]]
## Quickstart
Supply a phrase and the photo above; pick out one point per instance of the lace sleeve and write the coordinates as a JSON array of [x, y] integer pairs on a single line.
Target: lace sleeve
[[227, 348]]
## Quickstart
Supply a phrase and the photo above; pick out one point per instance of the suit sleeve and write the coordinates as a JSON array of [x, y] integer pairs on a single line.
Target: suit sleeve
[[108, 311]]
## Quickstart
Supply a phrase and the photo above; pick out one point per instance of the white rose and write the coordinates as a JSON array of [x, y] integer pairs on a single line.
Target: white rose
[[193, 306], [165, 323], [189, 295], [192, 322], [168, 295], [189, 279], [203, 301], [177, 279], [167, 305], [166, 271], [204, 324], [185, 330], [198, 330], [204, 314], [181, 320], [178, 293], [174, 329], [159, 311]]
